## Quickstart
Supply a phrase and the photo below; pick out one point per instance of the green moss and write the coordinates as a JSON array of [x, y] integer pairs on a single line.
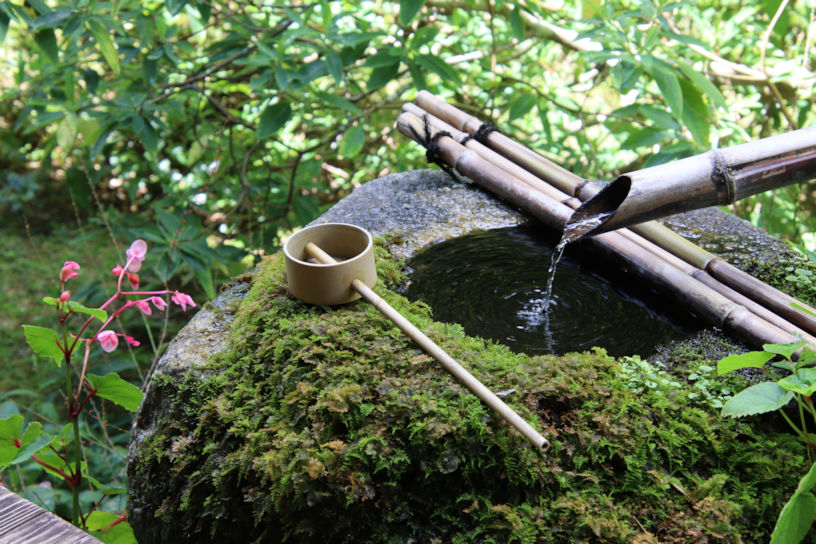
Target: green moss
[[796, 277], [327, 425]]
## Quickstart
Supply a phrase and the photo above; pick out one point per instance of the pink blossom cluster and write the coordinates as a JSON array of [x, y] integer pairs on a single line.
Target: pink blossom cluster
[[108, 339]]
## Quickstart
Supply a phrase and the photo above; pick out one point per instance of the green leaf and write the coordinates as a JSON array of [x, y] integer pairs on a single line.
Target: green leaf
[[808, 481], [31, 440], [703, 83], [106, 45], [47, 42], [101, 315], [145, 132], [4, 25], [795, 519], [521, 106], [384, 57], [353, 141], [51, 19], [337, 102], [757, 399], [667, 81], [695, 113], [408, 10], [752, 359], [785, 350], [115, 389], [802, 382], [121, 533], [44, 342], [335, 66], [272, 119], [382, 75], [423, 35], [517, 23], [440, 67]]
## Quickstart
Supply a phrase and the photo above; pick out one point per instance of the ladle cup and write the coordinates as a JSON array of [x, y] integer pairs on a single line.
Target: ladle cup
[[329, 281]]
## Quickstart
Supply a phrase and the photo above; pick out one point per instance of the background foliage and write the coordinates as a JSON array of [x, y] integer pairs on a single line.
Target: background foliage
[[211, 128]]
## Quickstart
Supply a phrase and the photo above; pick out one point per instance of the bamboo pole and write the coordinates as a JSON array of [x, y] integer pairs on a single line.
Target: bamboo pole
[[737, 280], [720, 176], [448, 362], [711, 305], [697, 271]]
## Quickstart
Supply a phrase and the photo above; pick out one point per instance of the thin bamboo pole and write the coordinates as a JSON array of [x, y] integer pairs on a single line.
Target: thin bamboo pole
[[712, 306], [697, 272], [448, 362], [656, 233]]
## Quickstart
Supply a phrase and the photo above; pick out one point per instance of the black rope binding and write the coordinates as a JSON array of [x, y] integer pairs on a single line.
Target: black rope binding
[[431, 145], [481, 133]]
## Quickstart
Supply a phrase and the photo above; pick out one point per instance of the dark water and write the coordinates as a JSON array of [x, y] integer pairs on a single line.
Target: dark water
[[494, 285]]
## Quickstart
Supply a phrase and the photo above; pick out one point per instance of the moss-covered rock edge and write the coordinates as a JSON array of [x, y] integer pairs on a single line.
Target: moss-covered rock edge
[[326, 424]]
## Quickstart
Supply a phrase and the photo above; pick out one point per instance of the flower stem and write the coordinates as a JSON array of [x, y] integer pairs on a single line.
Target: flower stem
[[69, 396]]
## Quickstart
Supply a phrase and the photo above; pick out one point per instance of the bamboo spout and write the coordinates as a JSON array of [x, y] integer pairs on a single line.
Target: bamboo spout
[[712, 178]]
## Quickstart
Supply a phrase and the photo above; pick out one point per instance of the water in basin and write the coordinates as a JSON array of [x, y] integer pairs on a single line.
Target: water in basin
[[494, 284]]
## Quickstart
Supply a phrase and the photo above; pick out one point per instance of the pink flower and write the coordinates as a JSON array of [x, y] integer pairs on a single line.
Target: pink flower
[[134, 280], [143, 306], [65, 296], [182, 300], [158, 302], [135, 255], [108, 340], [132, 341], [118, 271], [67, 272]]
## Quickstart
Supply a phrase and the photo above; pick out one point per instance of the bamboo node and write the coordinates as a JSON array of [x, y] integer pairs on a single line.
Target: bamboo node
[[723, 178]]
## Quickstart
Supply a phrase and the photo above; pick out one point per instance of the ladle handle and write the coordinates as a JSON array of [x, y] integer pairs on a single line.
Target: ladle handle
[[450, 364]]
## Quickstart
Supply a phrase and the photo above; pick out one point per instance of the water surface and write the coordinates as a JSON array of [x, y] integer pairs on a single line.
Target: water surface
[[494, 284]]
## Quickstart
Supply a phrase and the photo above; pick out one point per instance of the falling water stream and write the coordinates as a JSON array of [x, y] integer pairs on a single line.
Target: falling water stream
[[495, 285], [572, 232]]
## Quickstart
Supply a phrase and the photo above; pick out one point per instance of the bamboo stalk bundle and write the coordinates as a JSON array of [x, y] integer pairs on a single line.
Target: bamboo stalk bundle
[[725, 277], [711, 305]]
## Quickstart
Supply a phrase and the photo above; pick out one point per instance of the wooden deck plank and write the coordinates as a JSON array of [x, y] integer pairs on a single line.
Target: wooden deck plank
[[22, 522]]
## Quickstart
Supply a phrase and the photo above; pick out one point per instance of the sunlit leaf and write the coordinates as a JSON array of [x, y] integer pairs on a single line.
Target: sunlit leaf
[[757, 399], [517, 23], [106, 45], [795, 519], [695, 113], [440, 67], [115, 389], [18, 444], [802, 382], [752, 359], [353, 141], [785, 350], [44, 342], [667, 81], [120, 533], [408, 10], [521, 105], [101, 315], [382, 75]]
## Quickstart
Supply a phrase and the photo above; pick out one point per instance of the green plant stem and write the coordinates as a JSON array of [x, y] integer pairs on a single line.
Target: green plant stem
[[802, 419], [793, 425], [77, 476]]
